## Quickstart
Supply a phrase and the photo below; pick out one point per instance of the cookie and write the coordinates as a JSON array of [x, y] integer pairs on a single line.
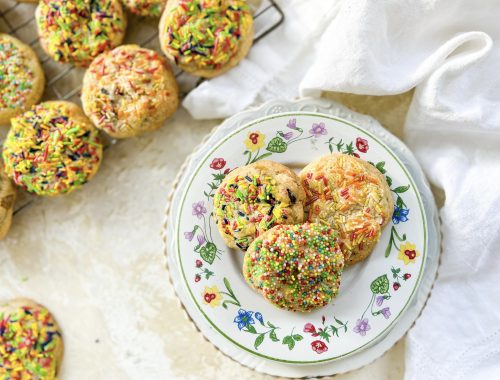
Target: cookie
[[7, 200], [22, 80], [254, 198], [295, 267], [353, 197], [31, 344], [148, 8], [129, 90], [52, 149], [206, 37], [78, 31]]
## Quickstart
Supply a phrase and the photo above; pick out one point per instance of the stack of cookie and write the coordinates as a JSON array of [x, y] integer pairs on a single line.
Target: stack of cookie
[[299, 232], [53, 147]]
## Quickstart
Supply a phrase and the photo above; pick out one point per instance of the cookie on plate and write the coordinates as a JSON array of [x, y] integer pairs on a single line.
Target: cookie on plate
[[22, 80], [254, 198], [206, 37], [353, 197], [129, 90], [7, 200], [295, 267], [78, 31], [148, 8], [52, 149], [31, 344]]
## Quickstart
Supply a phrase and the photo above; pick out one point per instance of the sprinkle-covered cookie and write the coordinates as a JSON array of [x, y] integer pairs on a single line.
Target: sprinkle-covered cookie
[[254, 198], [148, 8], [206, 37], [78, 31], [31, 345], [129, 90], [350, 195], [52, 149], [21, 78], [295, 267]]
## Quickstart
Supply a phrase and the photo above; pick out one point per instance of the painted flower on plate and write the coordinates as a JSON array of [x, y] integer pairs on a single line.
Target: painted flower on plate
[[386, 312], [258, 316], [244, 318], [292, 124], [201, 239], [408, 253], [309, 328], [189, 235], [319, 347], [362, 145], [211, 296], [255, 141], [362, 326], [199, 209], [218, 163], [379, 300], [288, 135], [318, 129], [400, 214]]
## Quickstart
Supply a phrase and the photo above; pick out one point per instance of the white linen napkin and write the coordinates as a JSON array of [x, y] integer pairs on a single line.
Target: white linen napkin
[[450, 51]]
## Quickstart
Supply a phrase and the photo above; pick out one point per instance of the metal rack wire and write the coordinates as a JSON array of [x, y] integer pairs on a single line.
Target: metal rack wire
[[64, 81]]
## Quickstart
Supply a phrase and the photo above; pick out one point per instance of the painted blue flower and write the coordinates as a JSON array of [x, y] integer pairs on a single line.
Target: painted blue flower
[[400, 215], [258, 316], [244, 318]]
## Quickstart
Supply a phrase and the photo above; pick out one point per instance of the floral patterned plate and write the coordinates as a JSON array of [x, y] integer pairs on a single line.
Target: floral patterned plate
[[373, 294]]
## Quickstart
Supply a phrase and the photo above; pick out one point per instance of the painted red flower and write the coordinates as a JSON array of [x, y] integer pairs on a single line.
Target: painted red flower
[[407, 276], [218, 163], [319, 347], [309, 328], [362, 145], [227, 171], [356, 155], [396, 285], [199, 264]]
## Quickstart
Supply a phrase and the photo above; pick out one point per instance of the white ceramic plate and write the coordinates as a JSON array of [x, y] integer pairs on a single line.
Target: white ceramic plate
[[374, 294]]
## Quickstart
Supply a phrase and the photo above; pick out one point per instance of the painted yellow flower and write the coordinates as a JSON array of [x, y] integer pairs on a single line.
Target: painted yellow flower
[[408, 253], [212, 296], [255, 141]]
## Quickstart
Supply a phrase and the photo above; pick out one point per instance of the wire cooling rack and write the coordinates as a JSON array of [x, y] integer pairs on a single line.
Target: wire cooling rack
[[64, 81]]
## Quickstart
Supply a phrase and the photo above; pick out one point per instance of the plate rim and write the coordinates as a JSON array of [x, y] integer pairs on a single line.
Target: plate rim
[[199, 166], [370, 354]]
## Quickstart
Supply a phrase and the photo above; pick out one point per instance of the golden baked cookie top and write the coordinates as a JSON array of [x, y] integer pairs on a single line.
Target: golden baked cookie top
[[296, 267], [349, 194], [30, 343], [126, 87], [254, 198], [16, 75], [52, 149], [78, 31], [206, 33]]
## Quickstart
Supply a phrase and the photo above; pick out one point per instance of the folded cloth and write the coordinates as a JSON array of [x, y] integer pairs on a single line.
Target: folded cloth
[[450, 51]]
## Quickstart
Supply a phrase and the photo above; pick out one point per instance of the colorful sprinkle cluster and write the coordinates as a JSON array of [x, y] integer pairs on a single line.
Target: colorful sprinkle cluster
[[206, 33], [127, 88], [152, 8], [296, 267], [247, 206], [16, 77], [49, 151], [77, 31], [29, 340], [343, 194]]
